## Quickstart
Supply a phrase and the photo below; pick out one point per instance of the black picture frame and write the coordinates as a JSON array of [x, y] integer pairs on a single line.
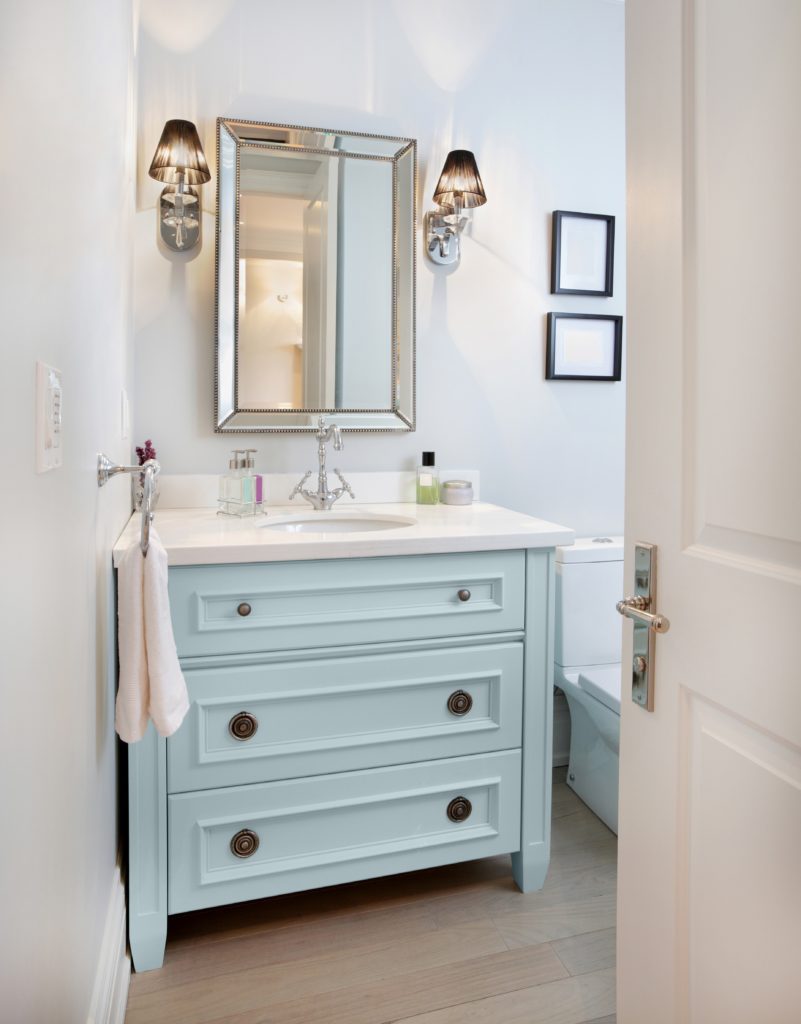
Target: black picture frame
[[557, 252], [554, 369]]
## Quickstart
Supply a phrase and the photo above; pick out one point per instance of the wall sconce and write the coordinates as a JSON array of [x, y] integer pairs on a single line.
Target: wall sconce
[[459, 188], [180, 163]]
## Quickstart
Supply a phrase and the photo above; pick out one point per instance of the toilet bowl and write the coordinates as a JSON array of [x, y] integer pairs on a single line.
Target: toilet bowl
[[594, 737], [589, 582]]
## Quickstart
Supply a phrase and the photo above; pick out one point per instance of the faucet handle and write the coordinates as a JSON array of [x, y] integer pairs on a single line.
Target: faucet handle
[[345, 484], [299, 484]]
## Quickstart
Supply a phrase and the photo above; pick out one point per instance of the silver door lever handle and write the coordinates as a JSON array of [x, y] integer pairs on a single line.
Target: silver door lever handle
[[636, 608]]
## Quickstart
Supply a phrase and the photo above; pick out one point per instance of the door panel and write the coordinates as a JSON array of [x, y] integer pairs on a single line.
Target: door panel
[[742, 268], [743, 823]]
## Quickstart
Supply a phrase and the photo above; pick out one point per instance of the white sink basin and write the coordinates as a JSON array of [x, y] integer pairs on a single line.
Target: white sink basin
[[336, 522]]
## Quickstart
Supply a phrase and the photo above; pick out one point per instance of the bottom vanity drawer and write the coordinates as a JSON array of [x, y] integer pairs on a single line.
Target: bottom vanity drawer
[[247, 842]]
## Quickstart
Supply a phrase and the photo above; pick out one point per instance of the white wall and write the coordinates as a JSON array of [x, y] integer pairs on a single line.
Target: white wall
[[66, 198], [535, 88]]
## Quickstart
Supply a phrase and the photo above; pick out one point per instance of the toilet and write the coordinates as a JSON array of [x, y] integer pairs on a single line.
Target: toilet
[[589, 582]]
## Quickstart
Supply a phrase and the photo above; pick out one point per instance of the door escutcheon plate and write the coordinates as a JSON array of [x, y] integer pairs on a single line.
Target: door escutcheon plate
[[644, 648]]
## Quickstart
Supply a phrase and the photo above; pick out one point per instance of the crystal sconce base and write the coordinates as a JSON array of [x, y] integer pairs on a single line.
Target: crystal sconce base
[[180, 218]]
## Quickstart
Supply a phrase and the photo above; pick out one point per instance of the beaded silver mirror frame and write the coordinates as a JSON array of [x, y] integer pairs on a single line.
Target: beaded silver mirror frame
[[236, 136]]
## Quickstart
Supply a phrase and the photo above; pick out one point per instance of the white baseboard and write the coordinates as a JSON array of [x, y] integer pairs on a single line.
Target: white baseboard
[[110, 994]]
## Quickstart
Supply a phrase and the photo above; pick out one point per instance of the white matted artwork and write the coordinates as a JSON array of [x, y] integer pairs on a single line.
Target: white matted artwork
[[582, 253], [583, 346]]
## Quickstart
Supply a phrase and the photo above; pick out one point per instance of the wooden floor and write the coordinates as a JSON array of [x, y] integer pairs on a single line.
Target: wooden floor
[[454, 945]]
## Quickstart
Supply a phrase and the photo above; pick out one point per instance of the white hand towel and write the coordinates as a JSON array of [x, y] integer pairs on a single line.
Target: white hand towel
[[169, 700], [151, 681], [133, 695]]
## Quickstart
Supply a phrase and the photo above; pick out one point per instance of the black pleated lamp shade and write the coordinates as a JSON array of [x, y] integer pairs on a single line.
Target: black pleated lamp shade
[[179, 156], [460, 178]]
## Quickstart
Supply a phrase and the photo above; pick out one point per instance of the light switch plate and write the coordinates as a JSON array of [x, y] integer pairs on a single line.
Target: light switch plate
[[48, 418]]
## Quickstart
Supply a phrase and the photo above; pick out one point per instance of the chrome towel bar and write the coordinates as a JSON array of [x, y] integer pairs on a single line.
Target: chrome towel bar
[[106, 469]]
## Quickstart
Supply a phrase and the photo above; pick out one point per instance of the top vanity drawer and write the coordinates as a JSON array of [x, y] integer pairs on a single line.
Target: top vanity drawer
[[279, 606]]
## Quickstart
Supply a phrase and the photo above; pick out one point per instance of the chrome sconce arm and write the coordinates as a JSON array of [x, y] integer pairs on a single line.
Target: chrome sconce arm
[[443, 235]]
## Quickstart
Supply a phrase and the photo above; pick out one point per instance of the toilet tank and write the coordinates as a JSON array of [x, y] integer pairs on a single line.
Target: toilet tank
[[589, 583]]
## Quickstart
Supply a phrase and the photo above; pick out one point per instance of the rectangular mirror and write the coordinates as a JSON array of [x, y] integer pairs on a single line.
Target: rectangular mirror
[[315, 278]]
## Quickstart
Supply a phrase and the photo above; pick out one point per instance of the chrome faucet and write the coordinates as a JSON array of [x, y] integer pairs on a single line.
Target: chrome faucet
[[322, 498]]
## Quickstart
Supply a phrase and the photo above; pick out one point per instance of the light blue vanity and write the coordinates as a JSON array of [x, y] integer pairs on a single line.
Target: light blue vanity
[[351, 716], [362, 702]]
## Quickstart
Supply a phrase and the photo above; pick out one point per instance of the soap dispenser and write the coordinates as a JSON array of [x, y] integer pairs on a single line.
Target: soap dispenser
[[257, 495], [236, 491]]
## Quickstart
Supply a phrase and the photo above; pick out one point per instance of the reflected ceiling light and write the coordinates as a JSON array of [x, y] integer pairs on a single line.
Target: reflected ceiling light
[[459, 189], [179, 162]]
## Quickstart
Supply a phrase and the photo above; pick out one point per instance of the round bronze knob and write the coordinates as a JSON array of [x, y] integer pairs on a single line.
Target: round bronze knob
[[245, 843], [464, 595], [459, 702], [244, 609], [243, 725], [460, 809]]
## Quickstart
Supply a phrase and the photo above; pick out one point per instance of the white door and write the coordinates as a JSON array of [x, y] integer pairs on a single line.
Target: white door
[[710, 798]]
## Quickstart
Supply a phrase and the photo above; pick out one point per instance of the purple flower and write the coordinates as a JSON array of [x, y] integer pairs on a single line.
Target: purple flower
[[146, 453]]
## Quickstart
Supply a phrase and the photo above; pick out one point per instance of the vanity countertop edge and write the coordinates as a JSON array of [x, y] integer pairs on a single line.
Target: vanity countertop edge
[[201, 537]]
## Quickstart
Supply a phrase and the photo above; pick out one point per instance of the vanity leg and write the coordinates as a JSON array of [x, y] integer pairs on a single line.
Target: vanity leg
[[530, 863], [147, 850], [529, 870]]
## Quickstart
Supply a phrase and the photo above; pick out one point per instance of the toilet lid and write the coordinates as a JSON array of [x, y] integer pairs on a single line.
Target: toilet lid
[[603, 683]]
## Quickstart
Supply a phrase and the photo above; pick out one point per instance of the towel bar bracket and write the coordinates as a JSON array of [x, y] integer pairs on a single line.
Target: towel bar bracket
[[106, 469]]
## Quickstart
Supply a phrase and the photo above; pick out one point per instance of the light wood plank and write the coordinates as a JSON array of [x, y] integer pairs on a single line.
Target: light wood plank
[[419, 992], [570, 1001], [579, 827], [585, 854], [543, 924], [497, 898], [305, 940], [591, 951], [563, 801], [215, 996]]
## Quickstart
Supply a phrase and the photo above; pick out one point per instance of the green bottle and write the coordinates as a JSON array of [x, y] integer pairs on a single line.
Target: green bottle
[[427, 481]]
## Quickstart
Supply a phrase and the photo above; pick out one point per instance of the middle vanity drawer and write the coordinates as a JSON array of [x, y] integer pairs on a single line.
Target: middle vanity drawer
[[258, 723], [281, 606]]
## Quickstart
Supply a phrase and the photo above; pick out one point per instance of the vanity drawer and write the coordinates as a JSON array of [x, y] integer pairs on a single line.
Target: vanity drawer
[[306, 833], [278, 606], [257, 723]]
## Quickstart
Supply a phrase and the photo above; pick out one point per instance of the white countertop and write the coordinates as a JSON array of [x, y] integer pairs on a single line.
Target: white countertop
[[201, 537]]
